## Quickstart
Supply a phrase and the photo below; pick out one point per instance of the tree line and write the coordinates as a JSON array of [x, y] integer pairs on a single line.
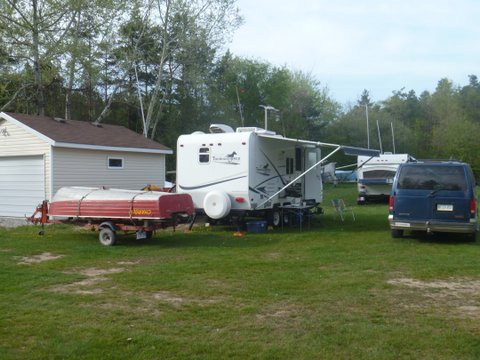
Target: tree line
[[444, 124], [159, 67]]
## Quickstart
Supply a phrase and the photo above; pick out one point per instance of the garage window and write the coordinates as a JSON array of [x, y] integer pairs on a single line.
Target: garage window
[[115, 163]]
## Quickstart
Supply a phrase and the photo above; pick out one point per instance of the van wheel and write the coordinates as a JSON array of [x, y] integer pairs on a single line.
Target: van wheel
[[397, 233], [472, 237]]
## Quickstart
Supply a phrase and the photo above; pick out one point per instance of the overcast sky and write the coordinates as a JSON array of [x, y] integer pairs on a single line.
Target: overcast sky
[[352, 45]]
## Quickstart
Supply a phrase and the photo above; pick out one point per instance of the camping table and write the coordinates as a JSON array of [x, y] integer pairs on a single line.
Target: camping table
[[298, 211]]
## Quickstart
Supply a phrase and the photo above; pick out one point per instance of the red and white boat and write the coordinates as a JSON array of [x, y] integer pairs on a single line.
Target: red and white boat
[[90, 202]]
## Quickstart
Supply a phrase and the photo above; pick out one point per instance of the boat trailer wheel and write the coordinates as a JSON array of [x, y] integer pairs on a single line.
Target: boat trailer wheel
[[107, 236]]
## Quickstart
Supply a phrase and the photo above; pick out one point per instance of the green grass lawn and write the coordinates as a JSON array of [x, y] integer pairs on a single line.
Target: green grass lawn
[[336, 290]]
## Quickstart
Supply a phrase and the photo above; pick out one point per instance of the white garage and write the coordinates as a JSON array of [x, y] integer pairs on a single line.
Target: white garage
[[39, 154], [22, 184]]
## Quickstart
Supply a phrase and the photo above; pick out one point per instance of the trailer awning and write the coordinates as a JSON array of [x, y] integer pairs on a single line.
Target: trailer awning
[[347, 150]]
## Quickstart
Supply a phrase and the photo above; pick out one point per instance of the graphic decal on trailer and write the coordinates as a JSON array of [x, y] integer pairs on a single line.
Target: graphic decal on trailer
[[229, 159]]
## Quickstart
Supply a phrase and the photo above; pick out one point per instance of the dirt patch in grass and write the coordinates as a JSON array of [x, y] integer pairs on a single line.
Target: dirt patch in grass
[[128, 263], [35, 259], [273, 255], [95, 273], [178, 300], [91, 285], [141, 302], [460, 296], [83, 287], [167, 296], [280, 314]]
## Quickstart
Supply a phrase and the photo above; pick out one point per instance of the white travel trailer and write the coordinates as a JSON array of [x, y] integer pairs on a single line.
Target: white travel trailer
[[375, 175], [250, 171]]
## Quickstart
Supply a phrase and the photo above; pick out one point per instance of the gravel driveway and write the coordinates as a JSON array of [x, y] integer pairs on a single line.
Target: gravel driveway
[[12, 222]]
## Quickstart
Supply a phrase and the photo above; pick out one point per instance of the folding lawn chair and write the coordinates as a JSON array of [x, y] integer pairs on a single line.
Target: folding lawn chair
[[341, 208]]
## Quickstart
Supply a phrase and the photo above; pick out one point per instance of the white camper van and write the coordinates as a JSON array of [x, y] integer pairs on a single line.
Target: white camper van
[[248, 171], [375, 175]]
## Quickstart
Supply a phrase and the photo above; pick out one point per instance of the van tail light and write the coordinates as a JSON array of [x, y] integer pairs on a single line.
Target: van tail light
[[473, 207], [391, 202]]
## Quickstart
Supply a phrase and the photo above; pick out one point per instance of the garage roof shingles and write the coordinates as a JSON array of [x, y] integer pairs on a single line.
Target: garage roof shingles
[[86, 133]]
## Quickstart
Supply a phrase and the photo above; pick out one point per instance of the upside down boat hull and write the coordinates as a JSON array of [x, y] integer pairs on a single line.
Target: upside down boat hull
[[92, 202]]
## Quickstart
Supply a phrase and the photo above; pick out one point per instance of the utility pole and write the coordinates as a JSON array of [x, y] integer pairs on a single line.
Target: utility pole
[[368, 130], [393, 138]]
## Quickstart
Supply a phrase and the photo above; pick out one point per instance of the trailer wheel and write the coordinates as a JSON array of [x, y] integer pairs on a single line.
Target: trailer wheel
[[275, 218], [107, 236]]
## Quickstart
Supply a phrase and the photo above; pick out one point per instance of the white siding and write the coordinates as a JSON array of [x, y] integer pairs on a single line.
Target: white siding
[[74, 167], [15, 141]]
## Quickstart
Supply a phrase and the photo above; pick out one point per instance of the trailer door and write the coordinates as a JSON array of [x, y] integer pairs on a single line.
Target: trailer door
[[312, 183]]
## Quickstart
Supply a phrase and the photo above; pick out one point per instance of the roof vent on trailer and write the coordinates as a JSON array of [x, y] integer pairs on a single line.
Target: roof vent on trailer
[[220, 129]]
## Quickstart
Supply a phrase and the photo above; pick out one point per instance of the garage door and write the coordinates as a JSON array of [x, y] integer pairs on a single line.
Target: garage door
[[22, 185]]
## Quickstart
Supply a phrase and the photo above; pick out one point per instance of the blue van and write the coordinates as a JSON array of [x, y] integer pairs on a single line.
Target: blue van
[[434, 196]]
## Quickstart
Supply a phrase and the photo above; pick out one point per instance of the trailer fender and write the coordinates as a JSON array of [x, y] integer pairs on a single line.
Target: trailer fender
[[217, 204], [108, 224]]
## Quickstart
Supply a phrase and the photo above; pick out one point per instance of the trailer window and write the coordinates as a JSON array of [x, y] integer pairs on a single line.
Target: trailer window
[[298, 159], [204, 155], [378, 174], [289, 166]]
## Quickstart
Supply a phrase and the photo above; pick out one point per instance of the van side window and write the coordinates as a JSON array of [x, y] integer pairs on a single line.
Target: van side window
[[204, 155]]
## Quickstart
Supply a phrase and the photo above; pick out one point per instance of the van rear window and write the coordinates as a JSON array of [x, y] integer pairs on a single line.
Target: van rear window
[[432, 178]]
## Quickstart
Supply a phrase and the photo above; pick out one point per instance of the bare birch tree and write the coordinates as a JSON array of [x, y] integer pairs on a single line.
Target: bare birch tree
[[177, 21], [93, 23]]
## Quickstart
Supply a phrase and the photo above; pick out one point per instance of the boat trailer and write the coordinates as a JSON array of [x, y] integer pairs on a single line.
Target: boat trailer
[[111, 210]]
